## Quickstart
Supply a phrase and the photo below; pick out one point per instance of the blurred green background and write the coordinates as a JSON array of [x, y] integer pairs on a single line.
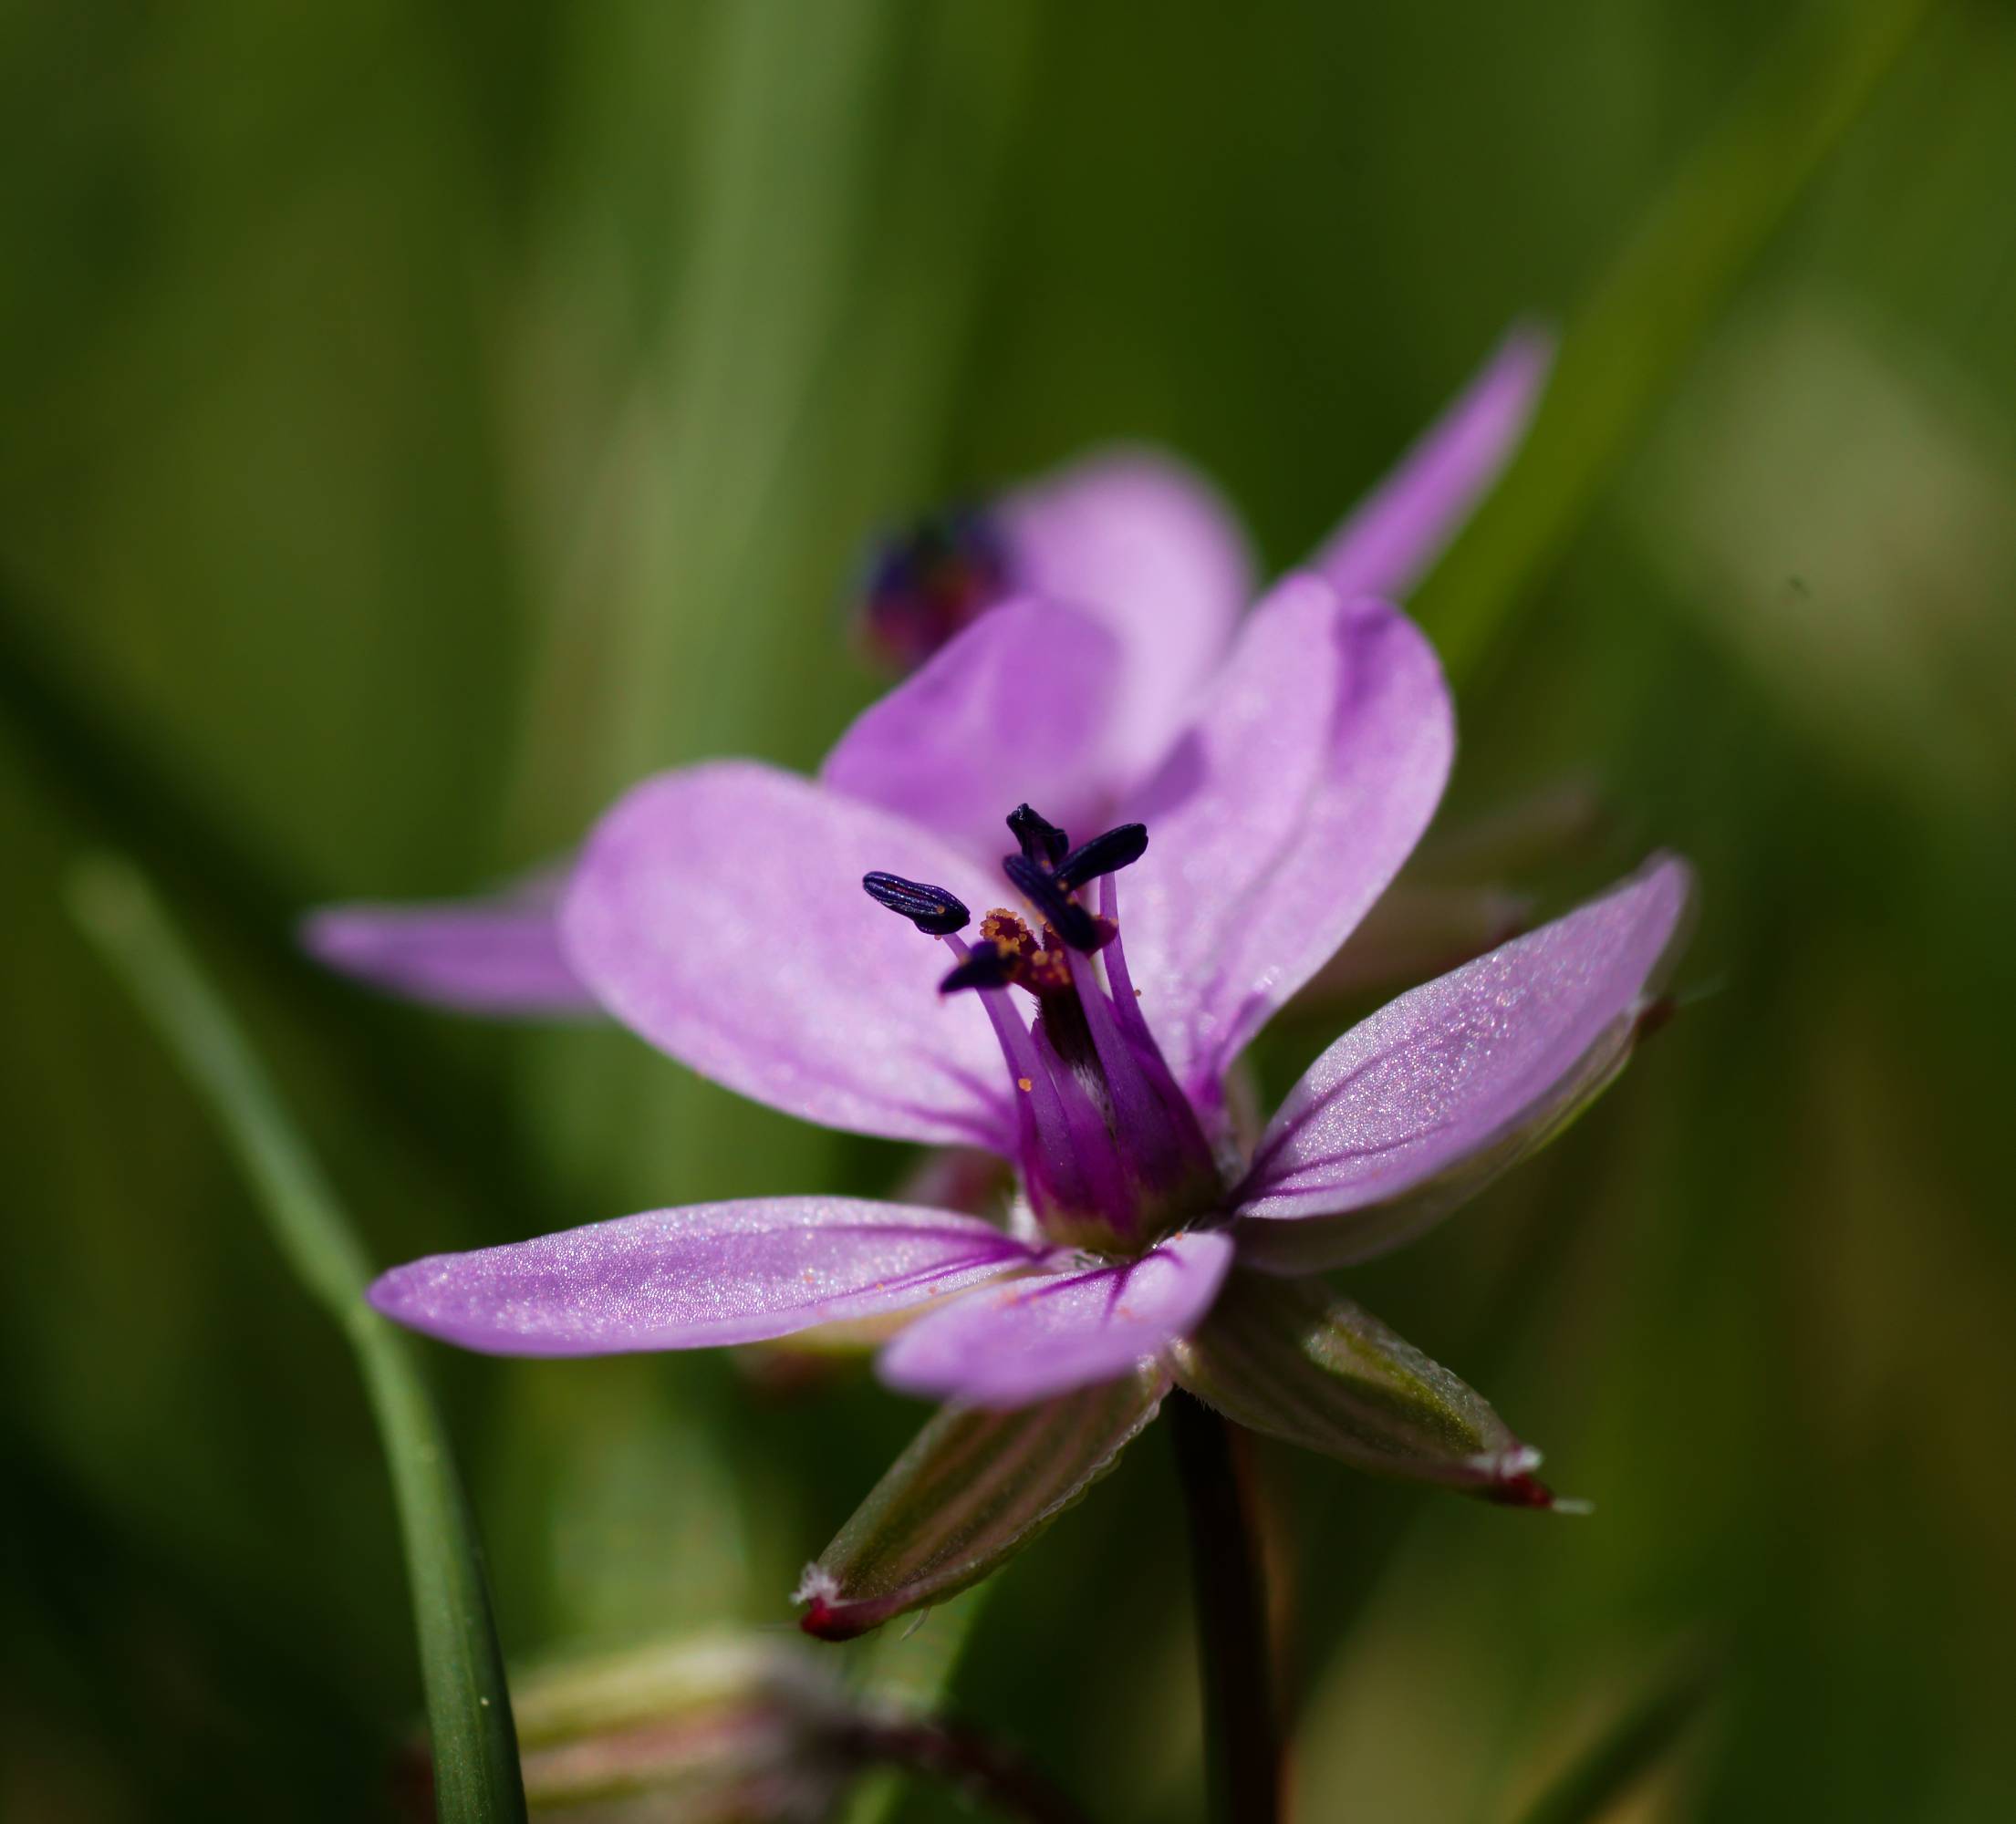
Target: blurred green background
[[421, 417]]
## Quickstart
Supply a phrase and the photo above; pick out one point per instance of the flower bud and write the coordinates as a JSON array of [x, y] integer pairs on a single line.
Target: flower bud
[[719, 1729]]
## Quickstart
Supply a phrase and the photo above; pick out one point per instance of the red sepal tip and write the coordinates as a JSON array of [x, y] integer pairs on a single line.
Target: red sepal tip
[[1523, 1490], [824, 1622]]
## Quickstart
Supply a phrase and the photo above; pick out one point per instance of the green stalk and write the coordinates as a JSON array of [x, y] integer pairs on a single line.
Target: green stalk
[[475, 1750], [1632, 339]]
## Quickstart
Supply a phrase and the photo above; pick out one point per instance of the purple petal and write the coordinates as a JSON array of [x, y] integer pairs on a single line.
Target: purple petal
[[717, 912], [1392, 536], [1417, 1107], [692, 1279], [1013, 1344], [1151, 548], [973, 1490], [1280, 817], [499, 955], [1016, 708]]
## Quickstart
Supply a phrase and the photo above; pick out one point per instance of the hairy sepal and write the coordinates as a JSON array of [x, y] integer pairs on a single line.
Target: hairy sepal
[[974, 1488], [1294, 1360]]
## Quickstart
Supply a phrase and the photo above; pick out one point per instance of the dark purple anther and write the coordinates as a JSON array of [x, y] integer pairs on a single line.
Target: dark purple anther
[[932, 909], [1103, 855], [1078, 927], [1112, 1153], [1041, 841]]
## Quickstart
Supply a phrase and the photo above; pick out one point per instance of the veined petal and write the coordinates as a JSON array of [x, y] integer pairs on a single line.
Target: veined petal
[[1279, 816], [1417, 1107], [718, 913], [709, 1274], [972, 1490], [1075, 1327], [1289, 1359], [1150, 547], [1389, 540], [1017, 707], [499, 954]]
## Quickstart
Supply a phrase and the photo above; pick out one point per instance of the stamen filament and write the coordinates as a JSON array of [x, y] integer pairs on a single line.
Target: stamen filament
[[1042, 1110], [1126, 1004], [1134, 1101], [1112, 1153], [1093, 1179]]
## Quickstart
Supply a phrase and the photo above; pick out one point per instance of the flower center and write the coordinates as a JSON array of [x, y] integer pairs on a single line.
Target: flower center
[[1111, 1152], [934, 580]]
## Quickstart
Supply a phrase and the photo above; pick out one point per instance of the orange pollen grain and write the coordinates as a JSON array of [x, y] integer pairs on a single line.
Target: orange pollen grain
[[1007, 933], [1048, 970]]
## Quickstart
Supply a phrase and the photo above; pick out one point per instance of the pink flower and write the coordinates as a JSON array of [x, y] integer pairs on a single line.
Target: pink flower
[[1076, 1009]]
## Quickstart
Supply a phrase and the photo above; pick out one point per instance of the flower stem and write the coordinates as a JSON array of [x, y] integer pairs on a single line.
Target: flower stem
[[1235, 1664], [985, 1770], [476, 1775]]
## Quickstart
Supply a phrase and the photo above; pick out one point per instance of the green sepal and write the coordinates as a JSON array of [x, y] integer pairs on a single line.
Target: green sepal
[[1291, 1359], [972, 1490]]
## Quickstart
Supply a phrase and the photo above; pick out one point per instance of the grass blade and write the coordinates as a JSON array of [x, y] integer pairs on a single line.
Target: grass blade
[[1629, 1749], [1648, 314], [475, 1751]]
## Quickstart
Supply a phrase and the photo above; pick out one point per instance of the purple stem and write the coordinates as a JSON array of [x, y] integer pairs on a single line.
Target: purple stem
[[983, 1770], [1235, 1661]]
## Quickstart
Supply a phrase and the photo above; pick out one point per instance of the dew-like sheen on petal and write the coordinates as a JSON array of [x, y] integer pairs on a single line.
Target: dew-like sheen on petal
[[706, 1275], [1072, 1327], [1416, 1107]]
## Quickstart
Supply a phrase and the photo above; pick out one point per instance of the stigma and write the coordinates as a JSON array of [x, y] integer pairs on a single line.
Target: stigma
[[1112, 1154], [932, 582]]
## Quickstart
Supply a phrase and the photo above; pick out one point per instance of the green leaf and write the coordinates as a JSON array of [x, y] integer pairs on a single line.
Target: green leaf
[[972, 1490], [1628, 1749], [476, 1775], [1630, 342], [1288, 1358]]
